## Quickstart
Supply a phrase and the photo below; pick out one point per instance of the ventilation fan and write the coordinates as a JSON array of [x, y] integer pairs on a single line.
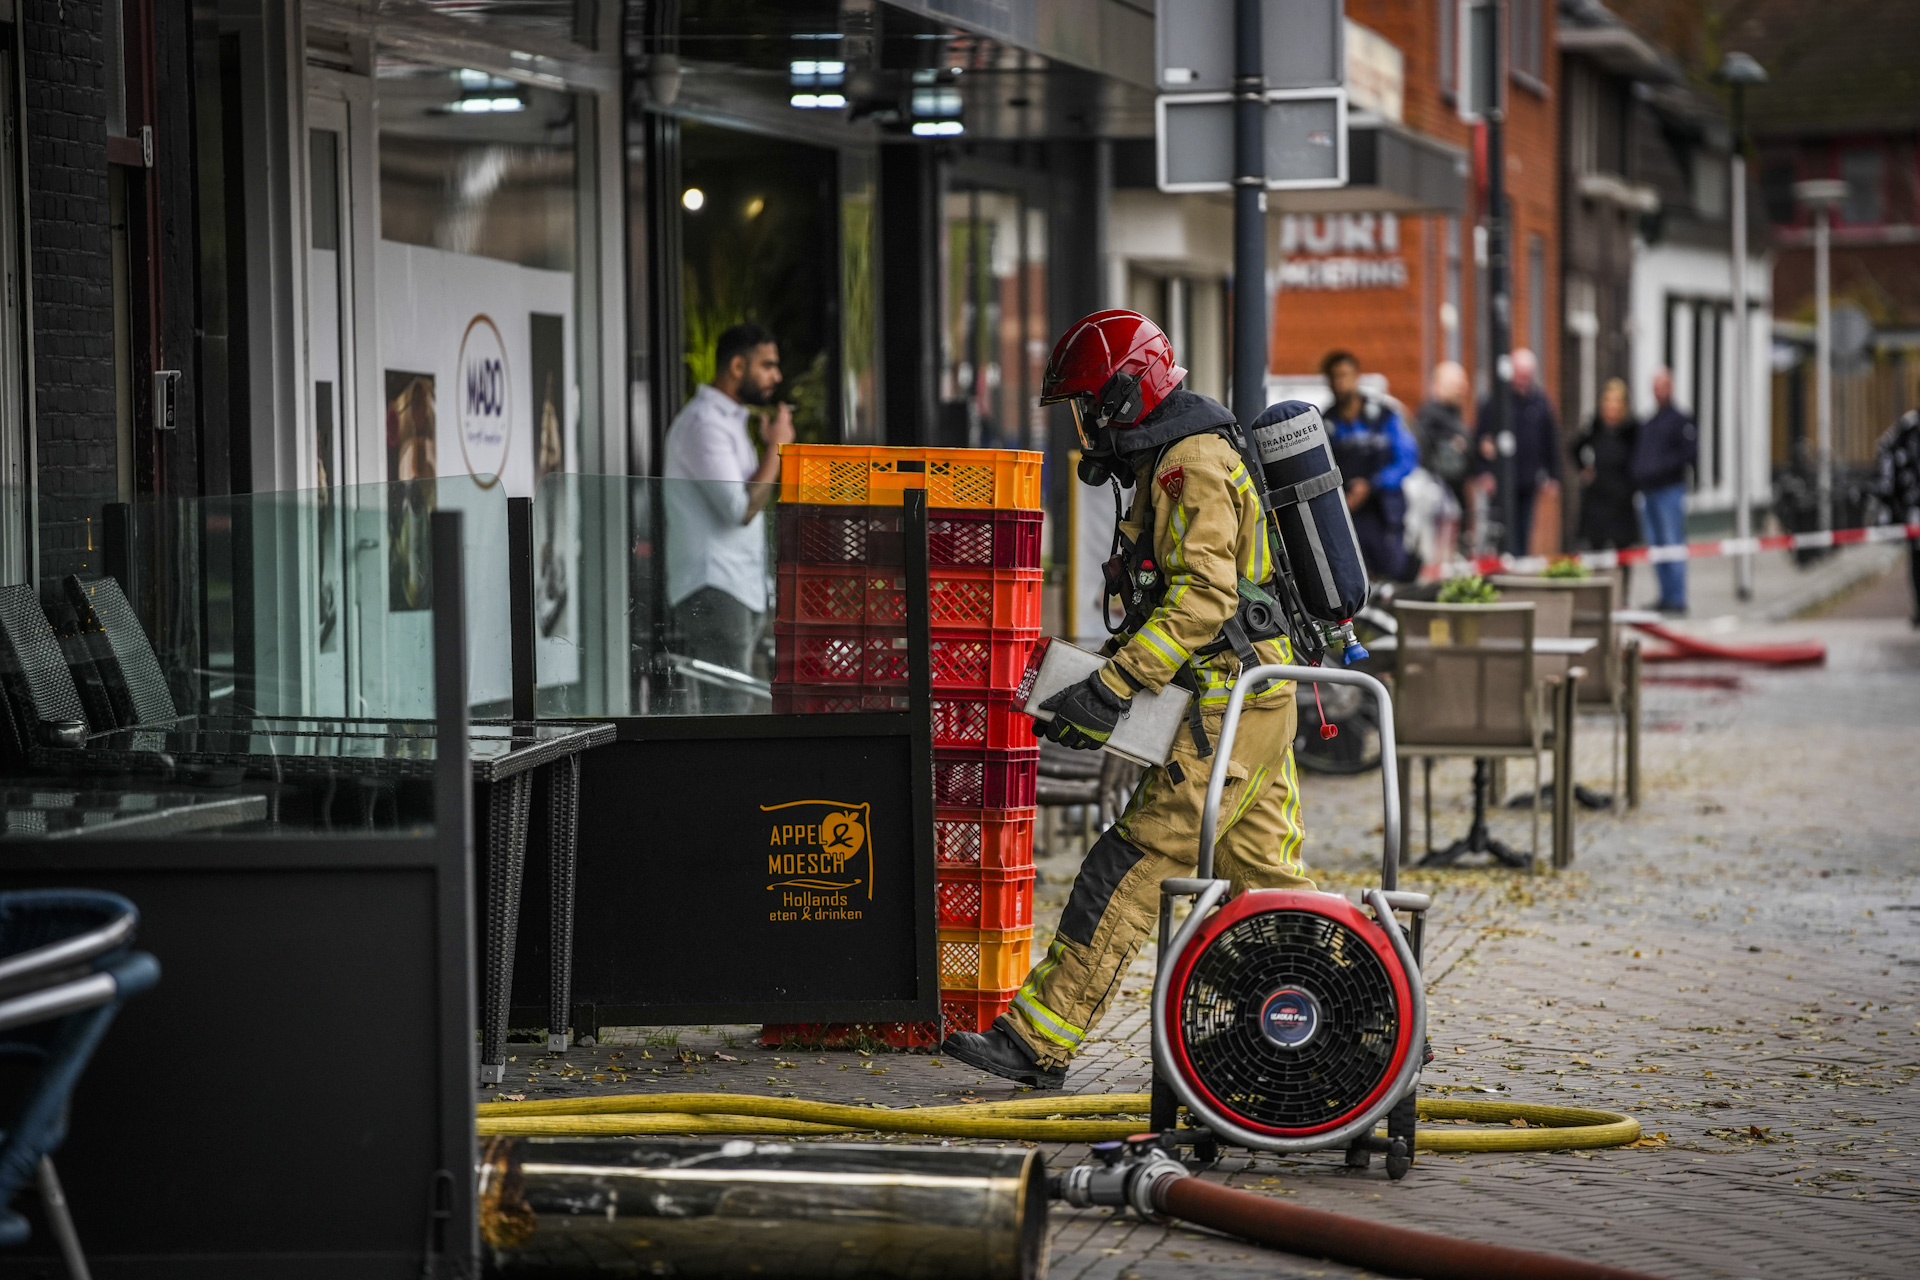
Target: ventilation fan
[[1289, 1020]]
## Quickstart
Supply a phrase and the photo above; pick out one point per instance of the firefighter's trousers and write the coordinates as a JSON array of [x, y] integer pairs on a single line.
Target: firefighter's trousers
[[1116, 897]]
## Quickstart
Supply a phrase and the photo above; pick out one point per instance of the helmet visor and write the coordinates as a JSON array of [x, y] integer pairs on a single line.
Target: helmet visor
[[1085, 422]]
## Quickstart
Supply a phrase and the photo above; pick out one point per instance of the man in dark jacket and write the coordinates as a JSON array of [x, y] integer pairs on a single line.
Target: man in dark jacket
[[1441, 430], [1667, 447], [1533, 437]]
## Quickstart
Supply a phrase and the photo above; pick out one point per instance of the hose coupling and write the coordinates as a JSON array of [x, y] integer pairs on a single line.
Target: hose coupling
[[1123, 1175]]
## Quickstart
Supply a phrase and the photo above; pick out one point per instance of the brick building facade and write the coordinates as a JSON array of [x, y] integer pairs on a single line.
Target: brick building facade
[[1401, 291], [75, 437]]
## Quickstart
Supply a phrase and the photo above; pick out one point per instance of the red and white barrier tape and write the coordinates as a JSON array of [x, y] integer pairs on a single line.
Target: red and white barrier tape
[[1682, 551]]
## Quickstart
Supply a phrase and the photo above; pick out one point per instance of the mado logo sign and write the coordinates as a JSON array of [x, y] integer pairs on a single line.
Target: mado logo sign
[[483, 392]]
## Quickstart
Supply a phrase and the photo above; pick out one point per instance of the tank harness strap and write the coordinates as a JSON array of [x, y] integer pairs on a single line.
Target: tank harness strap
[[1306, 490], [1188, 680]]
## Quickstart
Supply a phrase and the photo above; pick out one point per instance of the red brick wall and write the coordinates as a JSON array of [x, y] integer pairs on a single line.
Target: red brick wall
[[1395, 330]]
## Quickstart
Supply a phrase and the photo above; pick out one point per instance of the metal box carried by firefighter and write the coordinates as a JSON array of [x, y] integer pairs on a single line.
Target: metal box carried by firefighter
[[1144, 735]]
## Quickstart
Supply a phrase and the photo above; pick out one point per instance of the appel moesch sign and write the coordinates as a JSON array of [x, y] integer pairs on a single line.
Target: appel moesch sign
[[819, 860], [483, 395]]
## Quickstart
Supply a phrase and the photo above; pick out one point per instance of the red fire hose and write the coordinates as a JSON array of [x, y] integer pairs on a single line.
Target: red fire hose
[[1682, 646], [1391, 1251]]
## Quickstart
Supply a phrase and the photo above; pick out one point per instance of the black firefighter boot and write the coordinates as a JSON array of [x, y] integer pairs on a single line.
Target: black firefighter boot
[[1005, 1054]]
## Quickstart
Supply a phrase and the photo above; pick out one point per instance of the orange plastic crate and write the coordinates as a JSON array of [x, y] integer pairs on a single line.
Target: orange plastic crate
[[973, 1010], [866, 475], [984, 959], [957, 599], [975, 898], [995, 839]]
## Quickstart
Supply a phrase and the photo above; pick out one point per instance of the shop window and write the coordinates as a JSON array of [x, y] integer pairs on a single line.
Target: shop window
[[994, 340], [1864, 170], [1448, 50], [1524, 49], [1537, 300], [759, 242]]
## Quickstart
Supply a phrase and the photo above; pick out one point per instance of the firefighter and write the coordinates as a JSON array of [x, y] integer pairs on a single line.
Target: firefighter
[[1194, 533]]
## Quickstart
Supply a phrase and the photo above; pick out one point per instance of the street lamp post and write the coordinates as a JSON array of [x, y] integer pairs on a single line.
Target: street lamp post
[[1737, 71], [1821, 195]]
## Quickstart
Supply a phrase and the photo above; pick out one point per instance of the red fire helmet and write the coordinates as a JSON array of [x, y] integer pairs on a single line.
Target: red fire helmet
[[1113, 367]]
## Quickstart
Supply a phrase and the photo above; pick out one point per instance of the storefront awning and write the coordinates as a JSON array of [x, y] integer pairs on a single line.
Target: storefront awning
[[1390, 169]]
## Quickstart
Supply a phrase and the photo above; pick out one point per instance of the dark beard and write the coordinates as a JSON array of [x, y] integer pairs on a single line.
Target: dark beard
[[752, 395]]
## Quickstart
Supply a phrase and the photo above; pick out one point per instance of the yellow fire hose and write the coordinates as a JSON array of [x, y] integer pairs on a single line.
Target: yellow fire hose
[[1074, 1119]]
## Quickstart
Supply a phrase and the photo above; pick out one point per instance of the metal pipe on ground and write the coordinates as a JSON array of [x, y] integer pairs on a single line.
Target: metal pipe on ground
[[1390, 1251], [557, 1208]]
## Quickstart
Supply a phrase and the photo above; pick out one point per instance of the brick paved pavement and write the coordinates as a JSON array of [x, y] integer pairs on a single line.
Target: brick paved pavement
[[1734, 963]]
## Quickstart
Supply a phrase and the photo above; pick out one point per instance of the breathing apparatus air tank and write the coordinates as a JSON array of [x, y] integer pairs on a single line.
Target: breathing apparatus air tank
[[1303, 485]]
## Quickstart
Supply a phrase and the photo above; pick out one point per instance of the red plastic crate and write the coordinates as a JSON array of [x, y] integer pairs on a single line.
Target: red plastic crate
[[849, 654], [973, 1010], [959, 1011], [980, 720], [985, 539], [957, 599], [852, 653], [982, 779], [981, 660], [808, 699], [844, 1035], [995, 839], [824, 593], [975, 898], [823, 535], [807, 533]]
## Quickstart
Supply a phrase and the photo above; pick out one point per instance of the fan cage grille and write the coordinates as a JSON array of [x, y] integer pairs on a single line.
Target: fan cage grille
[[1339, 1070]]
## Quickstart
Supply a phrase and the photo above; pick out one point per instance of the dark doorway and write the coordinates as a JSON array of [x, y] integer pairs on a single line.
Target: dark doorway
[[760, 242]]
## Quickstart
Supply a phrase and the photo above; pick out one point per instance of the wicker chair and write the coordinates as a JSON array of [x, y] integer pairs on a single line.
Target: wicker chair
[[1466, 684], [121, 651]]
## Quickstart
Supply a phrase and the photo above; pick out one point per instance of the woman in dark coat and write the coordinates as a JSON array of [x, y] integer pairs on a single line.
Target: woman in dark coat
[[1605, 454]]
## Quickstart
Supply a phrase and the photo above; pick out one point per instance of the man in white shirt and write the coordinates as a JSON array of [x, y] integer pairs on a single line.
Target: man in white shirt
[[716, 537]]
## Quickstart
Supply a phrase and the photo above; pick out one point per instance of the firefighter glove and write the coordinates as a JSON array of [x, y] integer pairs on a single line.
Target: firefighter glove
[[1084, 715]]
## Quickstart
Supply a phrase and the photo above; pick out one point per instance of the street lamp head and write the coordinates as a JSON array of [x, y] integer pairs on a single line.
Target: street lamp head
[[1740, 69], [1820, 193]]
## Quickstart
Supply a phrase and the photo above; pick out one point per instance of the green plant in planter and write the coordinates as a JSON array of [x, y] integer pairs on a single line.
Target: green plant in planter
[[1568, 567], [1471, 589]]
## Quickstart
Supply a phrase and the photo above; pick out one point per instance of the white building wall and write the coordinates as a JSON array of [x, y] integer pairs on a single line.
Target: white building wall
[[1668, 274]]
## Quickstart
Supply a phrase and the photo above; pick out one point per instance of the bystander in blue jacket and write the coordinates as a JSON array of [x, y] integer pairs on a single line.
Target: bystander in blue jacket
[[1667, 447], [1375, 453]]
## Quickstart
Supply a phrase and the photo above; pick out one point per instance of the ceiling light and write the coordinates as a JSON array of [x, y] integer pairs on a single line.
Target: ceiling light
[[817, 100], [479, 106], [938, 128], [693, 199]]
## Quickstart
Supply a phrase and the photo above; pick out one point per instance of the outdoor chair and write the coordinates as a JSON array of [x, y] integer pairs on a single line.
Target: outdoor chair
[[87, 678], [1094, 782], [1465, 685], [43, 706], [124, 656], [1602, 682], [65, 969]]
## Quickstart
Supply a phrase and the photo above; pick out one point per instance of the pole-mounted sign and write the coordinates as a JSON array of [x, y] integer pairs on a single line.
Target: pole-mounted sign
[[1259, 105], [1302, 62]]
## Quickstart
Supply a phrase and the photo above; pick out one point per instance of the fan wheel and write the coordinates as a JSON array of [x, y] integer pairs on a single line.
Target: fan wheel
[[1290, 1020]]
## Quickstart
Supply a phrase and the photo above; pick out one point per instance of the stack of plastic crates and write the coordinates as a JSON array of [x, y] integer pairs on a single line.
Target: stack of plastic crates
[[840, 644]]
